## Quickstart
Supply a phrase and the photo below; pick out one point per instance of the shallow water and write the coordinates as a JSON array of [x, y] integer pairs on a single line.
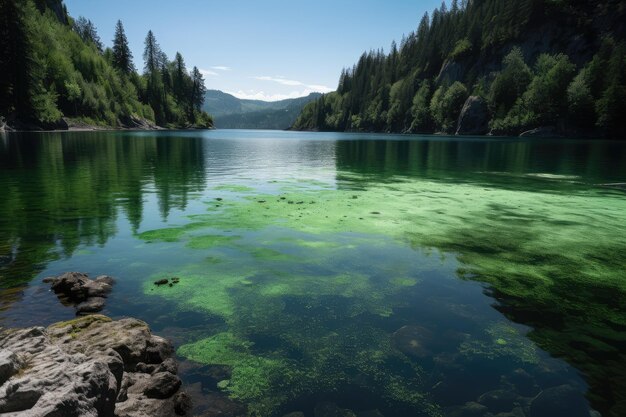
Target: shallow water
[[406, 274]]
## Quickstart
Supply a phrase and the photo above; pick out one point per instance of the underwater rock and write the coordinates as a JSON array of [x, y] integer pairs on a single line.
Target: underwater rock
[[295, 414], [516, 412], [91, 305], [563, 400], [101, 359], [498, 401], [370, 413], [328, 409], [75, 288], [522, 382], [182, 403], [160, 282], [470, 409], [413, 341]]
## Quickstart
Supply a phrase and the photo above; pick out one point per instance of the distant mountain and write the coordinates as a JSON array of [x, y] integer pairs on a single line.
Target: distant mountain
[[230, 112]]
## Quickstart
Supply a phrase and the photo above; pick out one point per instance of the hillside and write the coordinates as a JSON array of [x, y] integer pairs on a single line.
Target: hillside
[[498, 66], [55, 73], [230, 112]]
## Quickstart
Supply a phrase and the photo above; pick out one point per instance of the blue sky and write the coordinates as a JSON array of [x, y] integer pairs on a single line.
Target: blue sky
[[263, 49]]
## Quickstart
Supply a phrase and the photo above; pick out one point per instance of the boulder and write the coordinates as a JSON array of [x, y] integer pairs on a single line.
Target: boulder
[[563, 400], [87, 366], [77, 289], [474, 117], [162, 385]]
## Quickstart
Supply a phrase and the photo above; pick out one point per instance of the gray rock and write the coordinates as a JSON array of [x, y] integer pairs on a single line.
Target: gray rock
[[168, 365], [91, 305], [563, 400], [55, 382], [85, 367], [162, 385], [87, 295], [183, 403], [474, 117], [10, 364]]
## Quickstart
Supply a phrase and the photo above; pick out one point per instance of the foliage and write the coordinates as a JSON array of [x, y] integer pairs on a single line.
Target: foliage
[[465, 44], [54, 66]]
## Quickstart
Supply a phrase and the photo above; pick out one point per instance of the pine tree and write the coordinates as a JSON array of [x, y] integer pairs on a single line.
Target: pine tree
[[15, 60], [88, 33], [198, 90], [122, 56], [152, 54]]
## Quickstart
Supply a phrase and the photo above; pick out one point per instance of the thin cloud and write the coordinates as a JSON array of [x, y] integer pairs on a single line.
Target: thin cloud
[[208, 73], [294, 83], [263, 96], [221, 68]]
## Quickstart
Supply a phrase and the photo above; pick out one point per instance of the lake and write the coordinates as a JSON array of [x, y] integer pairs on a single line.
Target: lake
[[405, 274]]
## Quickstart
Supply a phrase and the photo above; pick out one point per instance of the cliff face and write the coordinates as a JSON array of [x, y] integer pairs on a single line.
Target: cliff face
[[405, 90], [56, 6]]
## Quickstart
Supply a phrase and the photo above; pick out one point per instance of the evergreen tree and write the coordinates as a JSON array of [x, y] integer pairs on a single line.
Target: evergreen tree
[[122, 56], [198, 91], [15, 60], [88, 33]]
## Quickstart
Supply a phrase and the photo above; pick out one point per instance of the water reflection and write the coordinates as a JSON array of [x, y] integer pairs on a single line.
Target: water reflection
[[61, 191]]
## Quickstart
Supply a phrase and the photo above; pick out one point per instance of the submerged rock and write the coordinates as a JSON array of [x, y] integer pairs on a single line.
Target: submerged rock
[[413, 341], [563, 400], [328, 409], [499, 400], [470, 409], [75, 288], [88, 366]]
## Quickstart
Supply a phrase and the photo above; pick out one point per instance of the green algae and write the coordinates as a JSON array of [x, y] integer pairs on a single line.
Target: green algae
[[526, 245], [252, 377], [500, 341], [235, 188], [210, 241]]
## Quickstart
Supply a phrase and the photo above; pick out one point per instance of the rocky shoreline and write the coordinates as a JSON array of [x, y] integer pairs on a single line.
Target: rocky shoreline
[[90, 366], [75, 125]]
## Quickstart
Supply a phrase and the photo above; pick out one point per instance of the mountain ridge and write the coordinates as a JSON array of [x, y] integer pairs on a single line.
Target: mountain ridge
[[230, 112]]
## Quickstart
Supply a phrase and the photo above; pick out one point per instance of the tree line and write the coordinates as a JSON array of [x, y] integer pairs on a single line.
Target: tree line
[[54, 66], [534, 62]]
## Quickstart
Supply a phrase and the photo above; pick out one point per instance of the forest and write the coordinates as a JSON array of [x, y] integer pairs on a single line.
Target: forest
[[526, 64], [57, 73]]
